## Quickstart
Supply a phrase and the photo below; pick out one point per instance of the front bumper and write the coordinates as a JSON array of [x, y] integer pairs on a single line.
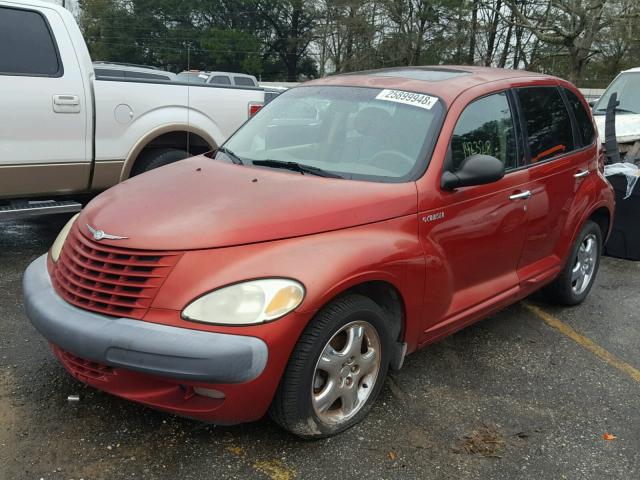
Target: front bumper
[[159, 350]]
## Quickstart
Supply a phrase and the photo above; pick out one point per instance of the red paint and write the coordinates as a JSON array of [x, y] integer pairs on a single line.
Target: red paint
[[479, 253]]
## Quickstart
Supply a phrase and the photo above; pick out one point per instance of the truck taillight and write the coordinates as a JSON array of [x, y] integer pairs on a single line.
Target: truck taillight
[[254, 107]]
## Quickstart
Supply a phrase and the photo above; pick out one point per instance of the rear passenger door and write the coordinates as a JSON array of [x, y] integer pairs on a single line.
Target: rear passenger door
[[558, 157]]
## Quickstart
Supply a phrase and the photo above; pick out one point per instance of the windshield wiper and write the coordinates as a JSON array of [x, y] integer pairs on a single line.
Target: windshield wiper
[[234, 158], [296, 167], [618, 109]]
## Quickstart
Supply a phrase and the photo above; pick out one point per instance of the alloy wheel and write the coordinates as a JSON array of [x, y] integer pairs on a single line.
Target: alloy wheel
[[346, 372], [585, 264]]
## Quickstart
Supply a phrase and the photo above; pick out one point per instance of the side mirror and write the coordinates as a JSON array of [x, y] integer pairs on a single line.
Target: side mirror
[[475, 170]]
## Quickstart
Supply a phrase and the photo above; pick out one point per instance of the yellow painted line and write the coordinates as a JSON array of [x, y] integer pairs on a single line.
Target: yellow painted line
[[274, 469], [587, 343]]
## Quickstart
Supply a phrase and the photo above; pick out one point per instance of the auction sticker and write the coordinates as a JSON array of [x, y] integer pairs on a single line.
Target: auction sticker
[[408, 98]]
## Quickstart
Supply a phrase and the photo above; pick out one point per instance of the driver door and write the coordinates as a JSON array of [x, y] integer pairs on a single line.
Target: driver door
[[478, 231]]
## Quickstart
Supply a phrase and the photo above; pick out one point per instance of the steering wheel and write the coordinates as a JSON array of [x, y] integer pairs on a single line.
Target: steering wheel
[[388, 159]]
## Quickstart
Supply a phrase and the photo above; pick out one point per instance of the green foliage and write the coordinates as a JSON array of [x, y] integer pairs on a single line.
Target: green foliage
[[588, 41]]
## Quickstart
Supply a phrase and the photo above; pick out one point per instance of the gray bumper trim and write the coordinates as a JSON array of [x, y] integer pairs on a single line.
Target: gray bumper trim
[[161, 350]]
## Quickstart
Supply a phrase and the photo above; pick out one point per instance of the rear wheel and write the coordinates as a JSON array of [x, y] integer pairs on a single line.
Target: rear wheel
[[157, 157], [576, 279], [336, 370]]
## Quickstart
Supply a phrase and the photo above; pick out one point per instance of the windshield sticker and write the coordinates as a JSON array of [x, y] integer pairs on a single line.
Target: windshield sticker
[[408, 98]]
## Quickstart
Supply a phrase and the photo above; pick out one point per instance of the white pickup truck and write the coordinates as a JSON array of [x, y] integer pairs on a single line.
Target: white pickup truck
[[64, 133], [627, 87]]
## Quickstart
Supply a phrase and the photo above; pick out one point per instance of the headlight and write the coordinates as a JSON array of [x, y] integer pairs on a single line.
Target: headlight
[[255, 301], [56, 248]]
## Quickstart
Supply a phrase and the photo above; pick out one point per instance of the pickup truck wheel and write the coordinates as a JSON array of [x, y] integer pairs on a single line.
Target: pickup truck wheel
[[155, 158], [336, 371], [573, 284]]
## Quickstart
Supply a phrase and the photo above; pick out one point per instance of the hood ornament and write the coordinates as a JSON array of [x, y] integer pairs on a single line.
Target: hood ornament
[[102, 235]]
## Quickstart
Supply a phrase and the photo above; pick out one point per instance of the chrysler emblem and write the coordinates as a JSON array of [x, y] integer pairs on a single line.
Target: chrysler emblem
[[102, 235]]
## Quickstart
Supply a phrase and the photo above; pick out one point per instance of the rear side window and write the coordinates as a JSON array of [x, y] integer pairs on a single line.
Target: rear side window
[[547, 122], [583, 120], [220, 80], [485, 128], [26, 44], [244, 81]]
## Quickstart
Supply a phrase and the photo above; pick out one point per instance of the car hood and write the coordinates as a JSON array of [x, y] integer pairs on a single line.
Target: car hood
[[627, 127], [203, 203]]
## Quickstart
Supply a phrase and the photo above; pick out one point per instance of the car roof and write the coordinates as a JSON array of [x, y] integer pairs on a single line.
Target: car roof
[[635, 69], [445, 81]]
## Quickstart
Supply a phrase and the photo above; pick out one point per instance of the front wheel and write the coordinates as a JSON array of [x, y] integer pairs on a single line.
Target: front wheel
[[336, 370], [576, 279]]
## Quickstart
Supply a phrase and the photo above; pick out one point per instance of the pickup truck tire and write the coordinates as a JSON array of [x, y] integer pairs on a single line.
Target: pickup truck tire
[[574, 282], [155, 158], [350, 337]]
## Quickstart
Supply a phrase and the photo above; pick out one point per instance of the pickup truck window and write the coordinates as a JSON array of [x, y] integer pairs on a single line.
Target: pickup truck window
[[547, 121], [627, 85], [244, 81], [352, 132], [485, 128], [220, 80], [26, 44]]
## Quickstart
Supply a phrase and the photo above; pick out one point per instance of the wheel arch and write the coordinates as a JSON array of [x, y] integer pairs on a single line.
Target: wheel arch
[[602, 217], [387, 296], [163, 136]]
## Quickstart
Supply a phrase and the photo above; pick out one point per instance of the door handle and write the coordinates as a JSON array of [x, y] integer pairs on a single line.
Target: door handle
[[520, 196], [66, 100], [66, 104], [581, 174]]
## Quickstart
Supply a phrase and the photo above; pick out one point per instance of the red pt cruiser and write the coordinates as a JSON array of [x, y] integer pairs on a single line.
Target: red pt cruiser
[[353, 220]]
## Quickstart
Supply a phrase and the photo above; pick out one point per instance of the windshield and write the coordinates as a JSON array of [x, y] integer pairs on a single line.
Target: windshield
[[350, 132], [628, 87]]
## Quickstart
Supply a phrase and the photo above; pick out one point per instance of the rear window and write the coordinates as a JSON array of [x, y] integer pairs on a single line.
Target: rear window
[[26, 44], [244, 81], [583, 120], [547, 122], [192, 77]]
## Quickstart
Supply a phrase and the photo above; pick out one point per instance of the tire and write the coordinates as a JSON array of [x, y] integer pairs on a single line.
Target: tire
[[565, 289], [157, 157], [304, 377]]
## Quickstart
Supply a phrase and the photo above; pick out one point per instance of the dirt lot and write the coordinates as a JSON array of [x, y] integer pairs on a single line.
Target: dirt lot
[[528, 393]]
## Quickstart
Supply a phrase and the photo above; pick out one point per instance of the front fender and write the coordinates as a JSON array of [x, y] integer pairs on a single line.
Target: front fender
[[326, 264]]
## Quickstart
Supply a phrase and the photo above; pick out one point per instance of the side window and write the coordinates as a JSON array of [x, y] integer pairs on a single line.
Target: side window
[[220, 80], [26, 45], [583, 119], [485, 127], [547, 121]]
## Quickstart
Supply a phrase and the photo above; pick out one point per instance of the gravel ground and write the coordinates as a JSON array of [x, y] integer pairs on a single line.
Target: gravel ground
[[510, 397]]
